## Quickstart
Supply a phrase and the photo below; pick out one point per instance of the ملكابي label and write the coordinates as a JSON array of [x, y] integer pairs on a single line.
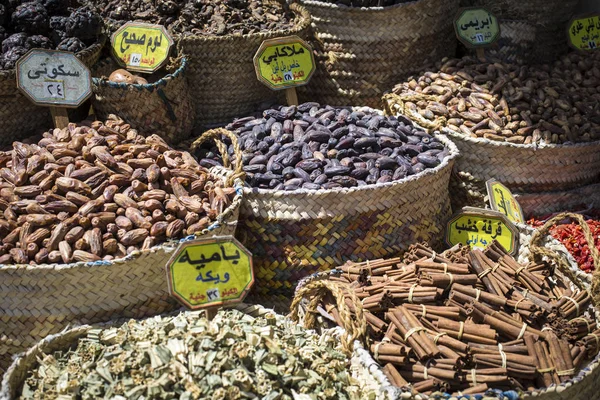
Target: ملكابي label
[[210, 272], [584, 32], [479, 230], [53, 78], [476, 27], [284, 62], [502, 200], [141, 47]]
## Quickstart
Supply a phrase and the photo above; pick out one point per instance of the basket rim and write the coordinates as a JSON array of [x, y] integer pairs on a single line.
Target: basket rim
[[454, 153], [221, 220], [494, 143], [102, 81], [304, 16], [97, 45]]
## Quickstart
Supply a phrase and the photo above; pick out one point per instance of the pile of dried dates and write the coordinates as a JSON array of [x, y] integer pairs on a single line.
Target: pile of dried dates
[[200, 17], [45, 24], [321, 147], [100, 191]]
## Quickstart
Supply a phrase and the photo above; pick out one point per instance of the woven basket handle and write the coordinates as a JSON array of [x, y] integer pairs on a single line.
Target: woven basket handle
[[215, 135], [316, 290], [538, 251]]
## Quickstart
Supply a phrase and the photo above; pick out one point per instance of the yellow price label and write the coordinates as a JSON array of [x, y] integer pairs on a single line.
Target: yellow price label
[[283, 63], [476, 27], [478, 230], [210, 272], [141, 47], [502, 200], [584, 32]]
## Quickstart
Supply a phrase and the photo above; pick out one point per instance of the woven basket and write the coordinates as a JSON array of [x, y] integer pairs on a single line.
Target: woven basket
[[515, 43], [221, 74], [164, 107], [44, 299], [584, 386], [362, 52], [20, 117], [292, 234], [363, 367], [525, 169], [540, 204]]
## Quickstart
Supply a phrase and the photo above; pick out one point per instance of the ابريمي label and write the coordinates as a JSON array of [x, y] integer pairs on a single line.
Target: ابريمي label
[[502, 200], [479, 229], [141, 47], [210, 272], [476, 27], [284, 62], [584, 32], [53, 78]]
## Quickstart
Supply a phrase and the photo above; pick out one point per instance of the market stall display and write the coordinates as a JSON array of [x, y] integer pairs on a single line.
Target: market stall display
[[90, 216], [359, 57], [252, 353], [535, 129], [48, 25], [469, 321], [330, 184]]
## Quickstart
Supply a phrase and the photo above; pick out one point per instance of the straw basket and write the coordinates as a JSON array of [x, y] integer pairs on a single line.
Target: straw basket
[[44, 299], [362, 52], [583, 386], [164, 107], [539, 204], [221, 74], [362, 368], [20, 117], [515, 43], [292, 234], [525, 169]]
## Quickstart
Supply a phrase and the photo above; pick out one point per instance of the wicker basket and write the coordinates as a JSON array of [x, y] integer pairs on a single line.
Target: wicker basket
[[525, 169], [20, 117], [44, 299], [221, 74], [164, 107], [362, 52], [363, 367], [540, 204], [293, 234], [515, 43], [584, 386]]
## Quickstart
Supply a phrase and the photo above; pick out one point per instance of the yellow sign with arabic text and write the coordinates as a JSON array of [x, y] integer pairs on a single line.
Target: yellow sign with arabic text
[[476, 27], [141, 47], [479, 229], [283, 63], [210, 272], [503, 201], [584, 32]]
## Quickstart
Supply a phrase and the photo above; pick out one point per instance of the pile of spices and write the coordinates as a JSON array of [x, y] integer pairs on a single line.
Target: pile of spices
[[321, 147], [100, 191], [572, 237], [470, 320], [504, 102], [234, 356], [201, 17], [45, 24]]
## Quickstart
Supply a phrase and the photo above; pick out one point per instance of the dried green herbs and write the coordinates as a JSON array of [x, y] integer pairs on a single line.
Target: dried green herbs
[[234, 356]]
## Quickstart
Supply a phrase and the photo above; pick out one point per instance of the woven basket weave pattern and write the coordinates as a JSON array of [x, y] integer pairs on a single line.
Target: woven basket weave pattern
[[359, 56], [164, 107], [221, 74], [42, 300], [515, 43], [20, 117], [293, 234]]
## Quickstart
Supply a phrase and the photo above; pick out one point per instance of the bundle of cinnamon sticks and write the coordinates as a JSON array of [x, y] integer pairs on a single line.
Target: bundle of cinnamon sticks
[[464, 321]]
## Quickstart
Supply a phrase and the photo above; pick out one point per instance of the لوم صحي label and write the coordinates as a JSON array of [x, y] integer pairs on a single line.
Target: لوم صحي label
[[141, 47], [210, 272], [502, 200], [584, 32], [53, 78], [476, 27], [478, 230], [284, 63]]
